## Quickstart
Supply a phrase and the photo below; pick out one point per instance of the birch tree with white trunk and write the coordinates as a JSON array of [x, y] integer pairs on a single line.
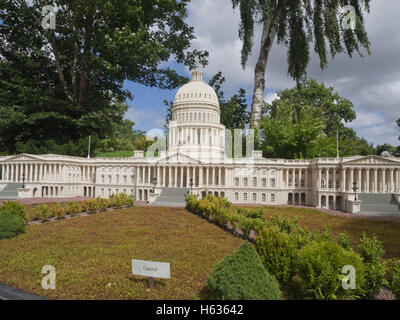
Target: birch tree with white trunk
[[299, 25]]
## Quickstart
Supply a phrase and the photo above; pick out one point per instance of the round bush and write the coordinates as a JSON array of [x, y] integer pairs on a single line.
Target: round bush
[[242, 276], [11, 225], [319, 269], [15, 208]]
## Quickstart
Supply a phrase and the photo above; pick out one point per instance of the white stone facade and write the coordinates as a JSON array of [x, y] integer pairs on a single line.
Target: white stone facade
[[196, 145]]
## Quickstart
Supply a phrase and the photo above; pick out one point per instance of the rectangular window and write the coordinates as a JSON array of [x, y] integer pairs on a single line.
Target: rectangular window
[[254, 182], [254, 196], [264, 182], [245, 196], [245, 182], [237, 182], [272, 197], [272, 183], [264, 197], [236, 196]]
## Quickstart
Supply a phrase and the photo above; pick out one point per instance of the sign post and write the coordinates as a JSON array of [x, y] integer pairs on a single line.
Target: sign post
[[151, 270]]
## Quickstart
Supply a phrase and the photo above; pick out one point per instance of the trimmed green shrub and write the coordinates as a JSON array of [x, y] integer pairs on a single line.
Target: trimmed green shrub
[[371, 251], [393, 274], [318, 269], [129, 201], [15, 208], [85, 206], [11, 224], [92, 205], [58, 211], [42, 212], [102, 204], [277, 251], [242, 276], [73, 208]]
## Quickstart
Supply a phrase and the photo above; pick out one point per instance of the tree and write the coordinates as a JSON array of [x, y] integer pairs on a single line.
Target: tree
[[291, 133], [393, 151], [324, 102], [233, 111], [303, 122], [298, 24], [61, 84]]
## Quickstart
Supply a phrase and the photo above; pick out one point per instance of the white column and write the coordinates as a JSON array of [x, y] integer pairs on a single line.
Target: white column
[[287, 178], [213, 177], [327, 179], [351, 178], [359, 179], [367, 180], [375, 181], [207, 176], [176, 177], [391, 180], [306, 178], [181, 177], [299, 178], [201, 177], [219, 177], [319, 178]]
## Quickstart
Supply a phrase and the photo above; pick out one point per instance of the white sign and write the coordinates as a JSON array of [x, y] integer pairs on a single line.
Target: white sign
[[151, 269]]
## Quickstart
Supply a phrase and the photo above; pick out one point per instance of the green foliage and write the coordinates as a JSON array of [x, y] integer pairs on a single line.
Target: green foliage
[[102, 204], [242, 276], [92, 205], [234, 114], [58, 211], [15, 208], [11, 224], [344, 241], [319, 266], [304, 121], [299, 25], [394, 276], [42, 212], [73, 208], [371, 251], [61, 87], [277, 252], [119, 200]]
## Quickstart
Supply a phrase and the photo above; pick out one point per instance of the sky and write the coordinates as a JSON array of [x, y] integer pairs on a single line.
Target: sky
[[372, 83]]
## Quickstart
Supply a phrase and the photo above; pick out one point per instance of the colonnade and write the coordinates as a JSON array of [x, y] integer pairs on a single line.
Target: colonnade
[[296, 177], [196, 136], [45, 172], [369, 180], [181, 176]]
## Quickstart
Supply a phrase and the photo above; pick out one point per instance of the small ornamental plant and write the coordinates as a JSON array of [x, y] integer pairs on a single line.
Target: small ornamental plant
[[242, 276]]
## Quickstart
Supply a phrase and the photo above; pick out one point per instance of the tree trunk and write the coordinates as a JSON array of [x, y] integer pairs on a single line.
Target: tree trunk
[[267, 39]]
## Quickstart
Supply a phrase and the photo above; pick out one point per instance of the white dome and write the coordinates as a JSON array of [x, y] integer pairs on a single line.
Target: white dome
[[196, 91]]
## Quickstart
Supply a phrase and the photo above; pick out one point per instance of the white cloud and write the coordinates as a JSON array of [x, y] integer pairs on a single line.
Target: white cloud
[[271, 97]]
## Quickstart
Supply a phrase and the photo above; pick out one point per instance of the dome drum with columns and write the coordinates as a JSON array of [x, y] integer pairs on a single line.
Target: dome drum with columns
[[195, 128], [196, 136]]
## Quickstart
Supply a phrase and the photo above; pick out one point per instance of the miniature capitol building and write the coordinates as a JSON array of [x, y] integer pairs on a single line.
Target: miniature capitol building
[[196, 160]]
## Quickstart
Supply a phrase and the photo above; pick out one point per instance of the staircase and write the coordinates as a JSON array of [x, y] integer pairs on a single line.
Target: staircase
[[171, 197], [10, 191], [379, 204]]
